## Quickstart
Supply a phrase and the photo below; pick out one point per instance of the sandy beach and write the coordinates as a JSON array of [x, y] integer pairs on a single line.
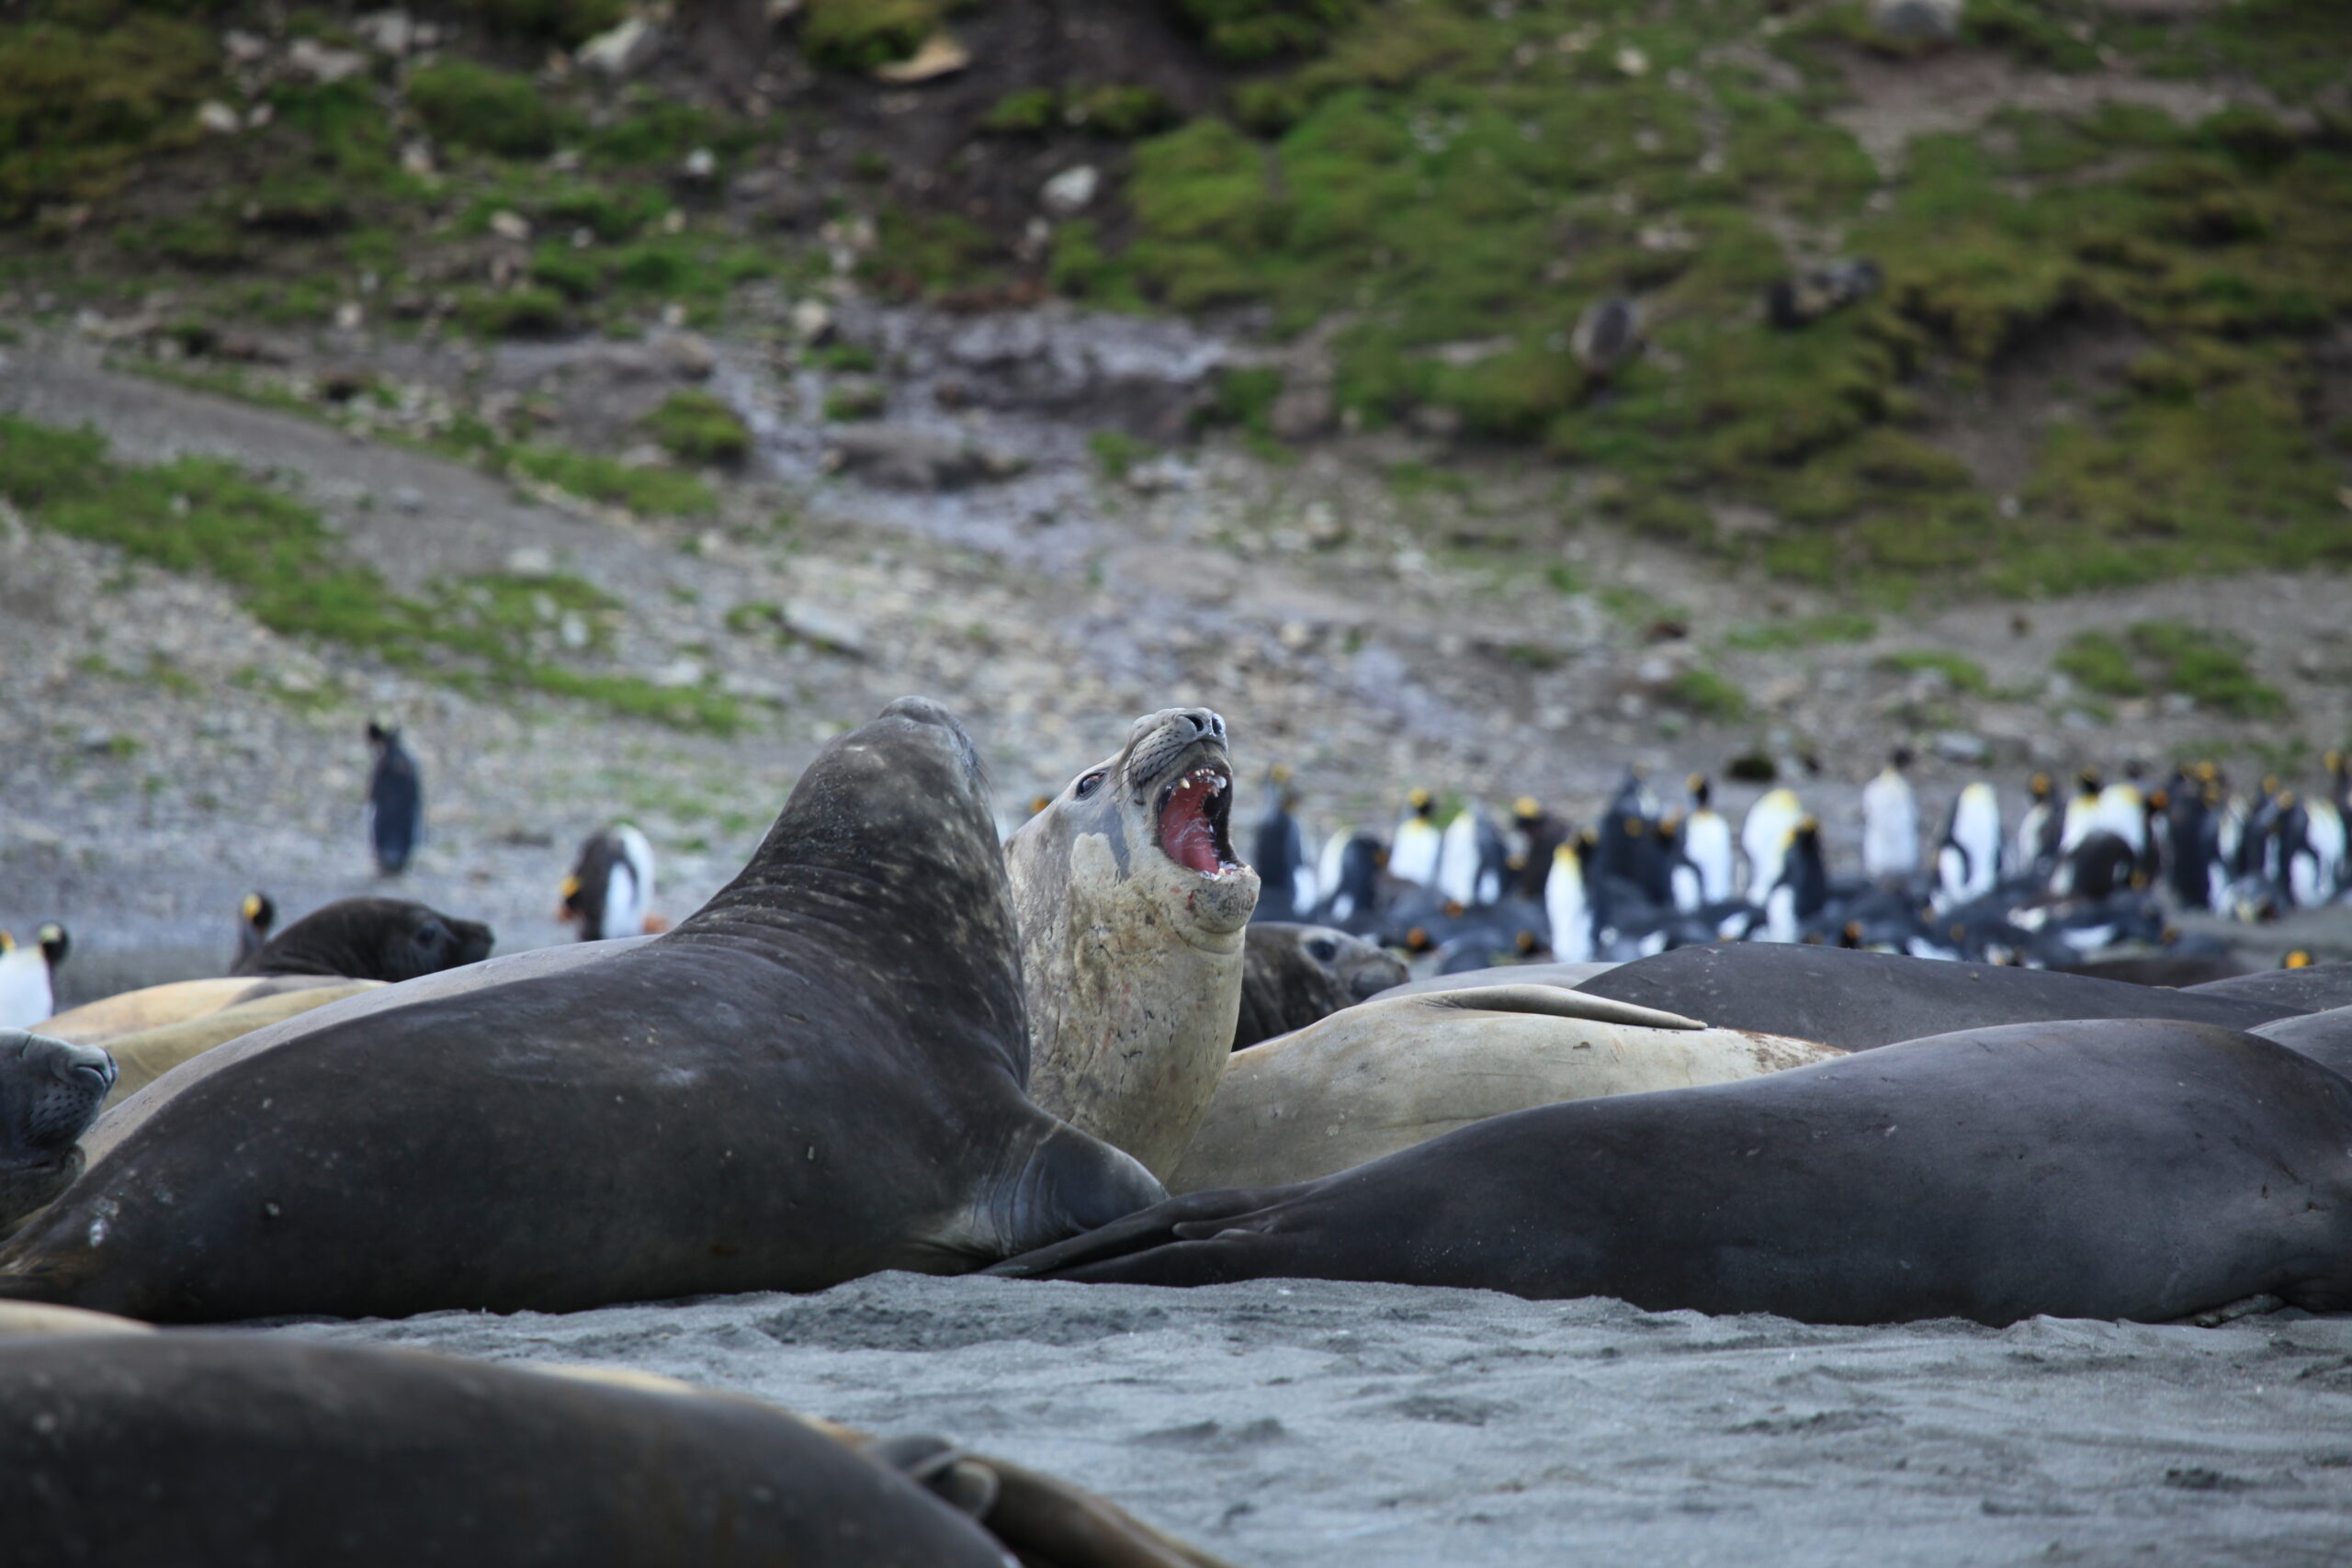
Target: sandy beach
[[1312, 1422]]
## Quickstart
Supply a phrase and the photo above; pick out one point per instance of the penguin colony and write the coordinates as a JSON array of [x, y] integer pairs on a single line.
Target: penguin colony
[[2105, 867]]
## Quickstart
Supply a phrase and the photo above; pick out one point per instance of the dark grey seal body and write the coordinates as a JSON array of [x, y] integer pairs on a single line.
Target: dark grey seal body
[[2154, 1169], [1855, 1000], [212, 1448], [1293, 975], [371, 938], [817, 1076], [2316, 988], [50, 1093], [2325, 1037]]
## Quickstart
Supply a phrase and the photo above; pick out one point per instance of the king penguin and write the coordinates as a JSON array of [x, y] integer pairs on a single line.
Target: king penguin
[[1280, 856], [395, 801], [1565, 907], [28, 974], [2039, 831], [610, 891], [1707, 844], [1891, 822], [1968, 862], [1540, 833], [1764, 836], [256, 918], [1413, 852]]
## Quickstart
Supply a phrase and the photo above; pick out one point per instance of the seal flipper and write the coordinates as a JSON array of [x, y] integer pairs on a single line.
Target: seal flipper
[[1071, 1185], [1195, 1216]]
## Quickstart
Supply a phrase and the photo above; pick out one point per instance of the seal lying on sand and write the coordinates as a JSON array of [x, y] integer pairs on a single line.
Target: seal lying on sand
[[371, 938], [1293, 975], [1390, 1074], [50, 1092], [1132, 907], [817, 1076], [131, 1448], [1855, 1000], [2154, 1170]]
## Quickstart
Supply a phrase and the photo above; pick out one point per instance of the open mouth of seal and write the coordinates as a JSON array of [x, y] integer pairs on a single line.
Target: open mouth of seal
[[1195, 813]]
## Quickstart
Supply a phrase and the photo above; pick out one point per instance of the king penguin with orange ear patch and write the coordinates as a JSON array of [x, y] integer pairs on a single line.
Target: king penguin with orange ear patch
[[27, 983], [610, 891]]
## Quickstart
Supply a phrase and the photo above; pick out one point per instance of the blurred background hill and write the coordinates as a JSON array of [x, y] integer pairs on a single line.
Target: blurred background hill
[[1478, 396]]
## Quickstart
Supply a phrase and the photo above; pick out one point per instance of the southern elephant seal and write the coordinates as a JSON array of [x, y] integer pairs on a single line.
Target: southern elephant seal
[[2325, 1037], [50, 1093], [371, 938], [2110, 1168], [1293, 975], [1568, 974], [143, 1055], [817, 1076], [217, 1448], [1389, 1074], [1132, 907], [151, 1007], [1856, 999], [2311, 988]]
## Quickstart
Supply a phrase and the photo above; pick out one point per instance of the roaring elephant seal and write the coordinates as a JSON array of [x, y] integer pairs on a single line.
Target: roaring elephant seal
[[1293, 975], [143, 1056], [50, 1093], [817, 1076], [371, 938], [1856, 999], [2113, 1168], [1132, 907], [1390, 1074], [214, 1448]]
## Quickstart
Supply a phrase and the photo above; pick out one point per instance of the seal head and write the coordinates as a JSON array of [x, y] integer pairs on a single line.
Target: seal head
[[49, 1091], [371, 938], [1132, 905]]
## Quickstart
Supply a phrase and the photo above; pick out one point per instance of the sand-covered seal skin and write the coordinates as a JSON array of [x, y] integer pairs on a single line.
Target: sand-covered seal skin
[[1388, 1074], [1856, 1000], [817, 1076], [210, 1449], [2106, 1168], [1132, 907], [2316, 988], [50, 1093], [371, 938], [1293, 975]]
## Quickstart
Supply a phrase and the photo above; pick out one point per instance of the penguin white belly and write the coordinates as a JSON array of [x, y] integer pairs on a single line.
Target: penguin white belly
[[24, 995]]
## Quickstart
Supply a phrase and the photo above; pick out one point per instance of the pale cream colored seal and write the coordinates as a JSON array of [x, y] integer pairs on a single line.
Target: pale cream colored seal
[[1387, 1075], [1132, 905], [145, 1054], [100, 1022]]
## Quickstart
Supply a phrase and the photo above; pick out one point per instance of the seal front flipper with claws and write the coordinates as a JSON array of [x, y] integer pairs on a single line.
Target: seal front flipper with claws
[[818, 1075]]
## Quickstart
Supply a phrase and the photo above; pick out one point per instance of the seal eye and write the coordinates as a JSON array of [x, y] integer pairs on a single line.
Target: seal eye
[[1088, 784], [1323, 950]]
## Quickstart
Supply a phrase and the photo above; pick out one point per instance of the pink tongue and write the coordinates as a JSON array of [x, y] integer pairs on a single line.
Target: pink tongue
[[1185, 835]]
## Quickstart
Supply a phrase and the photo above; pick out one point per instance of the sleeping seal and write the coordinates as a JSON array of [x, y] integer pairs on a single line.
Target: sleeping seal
[[215, 1448], [1373, 1079], [145, 1054], [1855, 1000], [1293, 975], [816, 1076], [1132, 907], [2157, 1169], [50, 1092], [151, 1007], [371, 938]]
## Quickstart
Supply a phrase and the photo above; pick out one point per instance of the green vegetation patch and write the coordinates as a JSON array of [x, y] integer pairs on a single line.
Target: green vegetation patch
[[486, 110], [1708, 695], [700, 427], [649, 492], [201, 516], [1772, 636], [1963, 673], [858, 35], [2207, 667], [88, 89], [1117, 452]]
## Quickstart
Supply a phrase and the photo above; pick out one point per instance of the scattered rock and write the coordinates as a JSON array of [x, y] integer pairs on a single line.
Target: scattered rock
[[387, 32], [1801, 301], [679, 672], [243, 47], [685, 355], [408, 498], [825, 628], [1915, 21], [219, 118], [939, 55], [620, 52], [898, 457], [700, 165], [775, 197], [511, 226], [812, 322], [1961, 746], [1071, 191], [315, 61], [530, 561], [1608, 335]]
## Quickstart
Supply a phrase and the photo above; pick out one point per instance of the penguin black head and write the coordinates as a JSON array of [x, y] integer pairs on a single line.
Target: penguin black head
[[1417, 941], [1851, 936], [1524, 942], [1279, 773], [54, 943], [2087, 781], [2159, 799], [1421, 801], [1700, 790], [380, 734], [1900, 757], [1588, 842]]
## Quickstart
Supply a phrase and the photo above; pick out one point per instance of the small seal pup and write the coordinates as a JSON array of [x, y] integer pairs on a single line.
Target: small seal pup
[[50, 1093], [1370, 1081], [817, 1076], [1293, 975], [371, 938], [1132, 905], [2156, 1170]]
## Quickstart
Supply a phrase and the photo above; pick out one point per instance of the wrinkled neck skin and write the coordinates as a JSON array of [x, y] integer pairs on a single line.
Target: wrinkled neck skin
[[1133, 968]]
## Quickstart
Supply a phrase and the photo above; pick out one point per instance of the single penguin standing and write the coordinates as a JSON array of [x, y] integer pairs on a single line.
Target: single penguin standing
[[1413, 852], [256, 918], [1566, 905], [1540, 833], [2082, 816], [1707, 843], [1764, 836], [1802, 890], [2039, 831], [28, 976], [610, 891], [395, 801], [1968, 862], [1280, 854], [1891, 822]]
